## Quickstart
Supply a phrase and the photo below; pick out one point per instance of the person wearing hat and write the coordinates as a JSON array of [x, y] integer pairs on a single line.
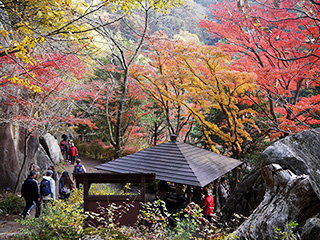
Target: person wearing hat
[[46, 182], [224, 191]]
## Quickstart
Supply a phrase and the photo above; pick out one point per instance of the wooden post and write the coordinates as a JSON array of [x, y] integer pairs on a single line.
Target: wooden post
[[86, 193]]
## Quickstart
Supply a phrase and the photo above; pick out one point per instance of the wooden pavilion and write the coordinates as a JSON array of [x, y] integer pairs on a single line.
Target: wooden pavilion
[[175, 162]]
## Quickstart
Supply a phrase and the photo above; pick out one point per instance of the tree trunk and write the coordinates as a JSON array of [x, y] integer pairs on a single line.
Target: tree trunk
[[25, 156]]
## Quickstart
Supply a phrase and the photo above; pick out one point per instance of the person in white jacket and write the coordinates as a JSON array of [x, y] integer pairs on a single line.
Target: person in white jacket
[[52, 196]]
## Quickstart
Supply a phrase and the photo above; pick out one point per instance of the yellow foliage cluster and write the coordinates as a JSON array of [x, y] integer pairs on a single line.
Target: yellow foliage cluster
[[128, 5]]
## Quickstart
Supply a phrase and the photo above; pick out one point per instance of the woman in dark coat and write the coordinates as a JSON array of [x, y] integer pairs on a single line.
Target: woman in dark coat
[[65, 185]]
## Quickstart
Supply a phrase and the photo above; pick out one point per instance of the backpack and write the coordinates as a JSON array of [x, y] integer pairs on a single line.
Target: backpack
[[78, 169], [45, 188], [62, 144]]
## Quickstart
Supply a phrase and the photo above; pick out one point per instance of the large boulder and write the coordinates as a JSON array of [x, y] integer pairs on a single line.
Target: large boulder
[[299, 153], [42, 159], [311, 229], [18, 151], [51, 145], [288, 198], [246, 197], [9, 157]]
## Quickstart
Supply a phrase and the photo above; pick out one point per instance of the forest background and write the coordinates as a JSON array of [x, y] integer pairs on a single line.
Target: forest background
[[229, 76]]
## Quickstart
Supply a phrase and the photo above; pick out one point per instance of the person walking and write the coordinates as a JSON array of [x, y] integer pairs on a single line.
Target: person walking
[[63, 146], [207, 205], [223, 191], [55, 174], [65, 186], [73, 152], [48, 188], [79, 168], [31, 194], [36, 168], [68, 145]]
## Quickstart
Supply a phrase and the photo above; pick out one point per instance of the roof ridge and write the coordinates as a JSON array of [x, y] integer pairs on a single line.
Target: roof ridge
[[189, 161]]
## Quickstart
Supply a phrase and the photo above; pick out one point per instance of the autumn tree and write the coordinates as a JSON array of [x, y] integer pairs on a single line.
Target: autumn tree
[[122, 40], [102, 93], [279, 41], [197, 77], [39, 67], [160, 79]]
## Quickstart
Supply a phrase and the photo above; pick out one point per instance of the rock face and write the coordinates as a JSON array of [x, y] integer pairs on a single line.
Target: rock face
[[246, 197], [311, 230], [14, 163], [288, 198], [52, 148], [9, 157], [299, 153], [291, 177]]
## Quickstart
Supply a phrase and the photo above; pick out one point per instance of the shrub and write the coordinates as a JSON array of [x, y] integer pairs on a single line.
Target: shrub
[[96, 149], [62, 220], [101, 189], [287, 233], [12, 203]]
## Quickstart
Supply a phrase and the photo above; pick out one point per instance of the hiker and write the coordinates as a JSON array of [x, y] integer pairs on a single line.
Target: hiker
[[55, 174], [73, 152], [68, 145], [223, 191], [36, 168], [65, 186], [78, 168], [31, 194], [63, 146], [48, 188], [207, 204]]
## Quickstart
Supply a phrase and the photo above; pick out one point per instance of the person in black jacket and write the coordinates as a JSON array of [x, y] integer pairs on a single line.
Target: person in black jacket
[[30, 192]]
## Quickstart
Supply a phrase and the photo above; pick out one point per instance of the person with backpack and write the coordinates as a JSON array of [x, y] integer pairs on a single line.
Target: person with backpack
[[65, 186], [73, 152], [78, 168], [47, 188], [31, 194]]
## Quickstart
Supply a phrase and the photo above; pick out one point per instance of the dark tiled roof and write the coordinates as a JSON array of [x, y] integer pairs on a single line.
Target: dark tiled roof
[[175, 162]]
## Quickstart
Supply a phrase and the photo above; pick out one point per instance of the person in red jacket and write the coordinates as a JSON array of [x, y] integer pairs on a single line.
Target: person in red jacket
[[207, 205], [73, 152]]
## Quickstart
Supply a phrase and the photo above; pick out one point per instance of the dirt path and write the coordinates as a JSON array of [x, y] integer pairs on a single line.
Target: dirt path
[[89, 164], [9, 228]]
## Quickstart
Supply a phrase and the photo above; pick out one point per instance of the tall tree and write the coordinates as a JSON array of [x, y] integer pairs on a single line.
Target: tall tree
[[161, 80], [279, 41], [122, 48]]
